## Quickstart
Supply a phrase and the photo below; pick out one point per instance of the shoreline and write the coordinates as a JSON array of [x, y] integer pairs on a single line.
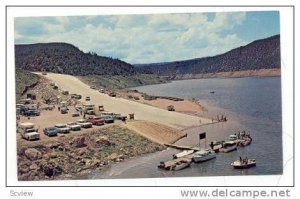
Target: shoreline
[[274, 72]]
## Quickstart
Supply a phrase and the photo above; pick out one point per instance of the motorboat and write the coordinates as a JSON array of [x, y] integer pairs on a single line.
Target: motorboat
[[183, 153], [243, 164], [182, 164], [228, 146], [202, 156], [245, 142], [175, 164]]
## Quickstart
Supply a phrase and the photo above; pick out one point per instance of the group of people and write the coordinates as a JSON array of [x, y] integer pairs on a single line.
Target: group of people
[[220, 119], [243, 161], [243, 135]]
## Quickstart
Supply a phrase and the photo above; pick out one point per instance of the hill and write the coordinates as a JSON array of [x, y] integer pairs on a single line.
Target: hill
[[259, 54], [24, 80], [68, 59]]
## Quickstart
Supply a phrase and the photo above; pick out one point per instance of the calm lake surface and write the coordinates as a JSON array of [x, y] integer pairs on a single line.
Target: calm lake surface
[[252, 104]]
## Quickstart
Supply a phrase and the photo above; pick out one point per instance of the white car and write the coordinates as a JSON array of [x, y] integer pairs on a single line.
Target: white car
[[84, 124], [74, 126], [62, 128]]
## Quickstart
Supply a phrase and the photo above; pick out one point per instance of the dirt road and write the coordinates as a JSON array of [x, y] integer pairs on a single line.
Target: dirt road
[[123, 106]]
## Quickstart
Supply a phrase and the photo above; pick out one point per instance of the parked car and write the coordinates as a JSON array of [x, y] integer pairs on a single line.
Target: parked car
[[31, 112], [75, 114], [65, 92], [78, 97], [78, 108], [120, 117], [50, 131], [112, 94], [108, 118], [74, 126], [84, 124], [93, 87], [96, 120], [171, 108], [87, 98], [63, 110], [62, 128], [101, 90]]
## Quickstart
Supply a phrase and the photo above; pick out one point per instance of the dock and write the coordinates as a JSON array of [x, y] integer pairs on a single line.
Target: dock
[[215, 148], [185, 157], [183, 147]]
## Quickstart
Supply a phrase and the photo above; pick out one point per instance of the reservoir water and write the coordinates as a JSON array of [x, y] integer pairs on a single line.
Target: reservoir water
[[252, 104]]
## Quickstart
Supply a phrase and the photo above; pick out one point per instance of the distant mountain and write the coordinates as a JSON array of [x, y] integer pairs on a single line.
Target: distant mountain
[[260, 54], [68, 59]]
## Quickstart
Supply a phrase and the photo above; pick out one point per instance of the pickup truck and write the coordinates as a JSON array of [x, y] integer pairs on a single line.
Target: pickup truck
[[96, 120], [28, 131], [50, 131], [62, 128], [74, 126], [84, 124], [31, 134]]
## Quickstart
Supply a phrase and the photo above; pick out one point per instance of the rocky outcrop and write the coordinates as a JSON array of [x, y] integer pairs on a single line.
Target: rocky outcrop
[[33, 154], [78, 155], [78, 142]]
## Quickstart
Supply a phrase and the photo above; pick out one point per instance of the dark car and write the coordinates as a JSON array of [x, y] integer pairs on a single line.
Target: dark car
[[108, 119], [50, 131], [31, 113]]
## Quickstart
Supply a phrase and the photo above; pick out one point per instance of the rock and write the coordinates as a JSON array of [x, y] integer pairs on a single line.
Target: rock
[[91, 163], [54, 145], [61, 148], [79, 169], [33, 167], [103, 140], [51, 170], [81, 152], [33, 154], [78, 142], [112, 156], [53, 155], [24, 177], [23, 170], [46, 157]]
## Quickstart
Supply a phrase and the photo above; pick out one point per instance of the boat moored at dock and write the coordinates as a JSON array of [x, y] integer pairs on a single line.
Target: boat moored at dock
[[228, 146], [202, 156], [183, 153]]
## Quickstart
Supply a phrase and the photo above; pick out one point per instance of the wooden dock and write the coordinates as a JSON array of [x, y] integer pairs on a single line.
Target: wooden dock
[[183, 147], [216, 147]]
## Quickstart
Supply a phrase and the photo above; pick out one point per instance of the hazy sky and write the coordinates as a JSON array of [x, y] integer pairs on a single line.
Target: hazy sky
[[151, 38]]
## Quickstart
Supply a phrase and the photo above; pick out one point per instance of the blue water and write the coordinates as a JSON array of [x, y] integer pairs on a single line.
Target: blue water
[[252, 104]]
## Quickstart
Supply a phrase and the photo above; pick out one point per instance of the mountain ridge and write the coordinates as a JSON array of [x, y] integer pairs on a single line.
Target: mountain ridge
[[59, 57], [259, 54]]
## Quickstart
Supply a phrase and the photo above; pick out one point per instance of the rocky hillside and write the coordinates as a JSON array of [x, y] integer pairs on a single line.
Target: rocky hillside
[[260, 54], [68, 59], [24, 81]]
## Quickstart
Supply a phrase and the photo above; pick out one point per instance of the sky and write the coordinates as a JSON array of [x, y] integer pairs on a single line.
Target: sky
[[139, 39]]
